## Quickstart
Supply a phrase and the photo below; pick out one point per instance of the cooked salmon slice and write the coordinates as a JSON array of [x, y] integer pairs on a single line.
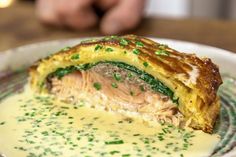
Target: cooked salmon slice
[[119, 90]]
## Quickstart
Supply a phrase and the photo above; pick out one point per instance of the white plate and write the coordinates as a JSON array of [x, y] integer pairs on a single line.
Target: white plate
[[24, 56]]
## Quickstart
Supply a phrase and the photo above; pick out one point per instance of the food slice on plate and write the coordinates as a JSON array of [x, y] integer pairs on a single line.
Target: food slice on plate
[[134, 76]]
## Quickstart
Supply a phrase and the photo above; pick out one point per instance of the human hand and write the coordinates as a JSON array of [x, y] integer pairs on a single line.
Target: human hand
[[120, 15]]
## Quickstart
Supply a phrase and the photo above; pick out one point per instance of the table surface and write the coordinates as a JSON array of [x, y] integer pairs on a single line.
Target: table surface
[[19, 26]]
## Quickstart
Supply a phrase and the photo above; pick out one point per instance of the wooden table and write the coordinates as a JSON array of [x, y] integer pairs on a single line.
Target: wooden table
[[19, 26]]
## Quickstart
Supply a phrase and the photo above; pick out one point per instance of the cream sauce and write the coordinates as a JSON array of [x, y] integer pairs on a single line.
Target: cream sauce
[[32, 125]]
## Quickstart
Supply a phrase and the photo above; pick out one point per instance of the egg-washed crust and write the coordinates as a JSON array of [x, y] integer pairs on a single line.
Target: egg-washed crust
[[198, 100]]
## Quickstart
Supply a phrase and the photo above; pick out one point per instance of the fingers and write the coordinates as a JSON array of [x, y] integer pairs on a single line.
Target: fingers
[[106, 4], [46, 11], [76, 14], [123, 16], [82, 20]]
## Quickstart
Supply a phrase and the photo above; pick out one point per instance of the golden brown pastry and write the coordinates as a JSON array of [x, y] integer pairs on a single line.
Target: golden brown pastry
[[133, 75]]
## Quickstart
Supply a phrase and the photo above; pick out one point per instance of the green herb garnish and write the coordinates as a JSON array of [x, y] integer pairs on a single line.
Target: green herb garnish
[[162, 46], [136, 51], [124, 42], [89, 40], [41, 85], [131, 93], [75, 57], [114, 85], [130, 75], [139, 44], [145, 64], [109, 49], [114, 152], [98, 47], [142, 88], [45, 133], [97, 86], [125, 155], [162, 52], [66, 48], [114, 37], [2, 123], [114, 142], [117, 76]]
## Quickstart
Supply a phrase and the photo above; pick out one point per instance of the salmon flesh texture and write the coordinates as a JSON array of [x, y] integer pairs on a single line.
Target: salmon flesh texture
[[119, 90]]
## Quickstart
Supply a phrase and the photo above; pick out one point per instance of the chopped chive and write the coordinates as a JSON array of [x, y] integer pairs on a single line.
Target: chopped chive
[[89, 40], [125, 155], [114, 142], [2, 123], [90, 139], [160, 138], [162, 46], [97, 85], [139, 44], [124, 42], [142, 88], [75, 57], [110, 37], [114, 85], [114, 37], [45, 133], [107, 38], [42, 85], [169, 143], [117, 76], [125, 52], [136, 51], [185, 140], [162, 52], [129, 120], [98, 47], [131, 93], [114, 152], [130, 75], [109, 49], [165, 130], [66, 48], [65, 107], [145, 64]]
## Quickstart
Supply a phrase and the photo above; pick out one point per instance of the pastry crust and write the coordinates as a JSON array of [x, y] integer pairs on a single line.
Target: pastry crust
[[193, 80]]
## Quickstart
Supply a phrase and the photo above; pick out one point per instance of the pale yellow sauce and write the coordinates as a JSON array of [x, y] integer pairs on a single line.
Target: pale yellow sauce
[[32, 125]]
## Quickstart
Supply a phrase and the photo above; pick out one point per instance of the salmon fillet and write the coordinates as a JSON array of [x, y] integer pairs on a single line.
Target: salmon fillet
[[170, 84], [118, 90]]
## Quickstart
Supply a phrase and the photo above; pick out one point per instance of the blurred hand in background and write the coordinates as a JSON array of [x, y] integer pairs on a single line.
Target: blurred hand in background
[[119, 15]]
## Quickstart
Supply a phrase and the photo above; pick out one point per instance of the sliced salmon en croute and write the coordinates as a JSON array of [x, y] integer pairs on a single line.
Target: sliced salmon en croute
[[133, 75]]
